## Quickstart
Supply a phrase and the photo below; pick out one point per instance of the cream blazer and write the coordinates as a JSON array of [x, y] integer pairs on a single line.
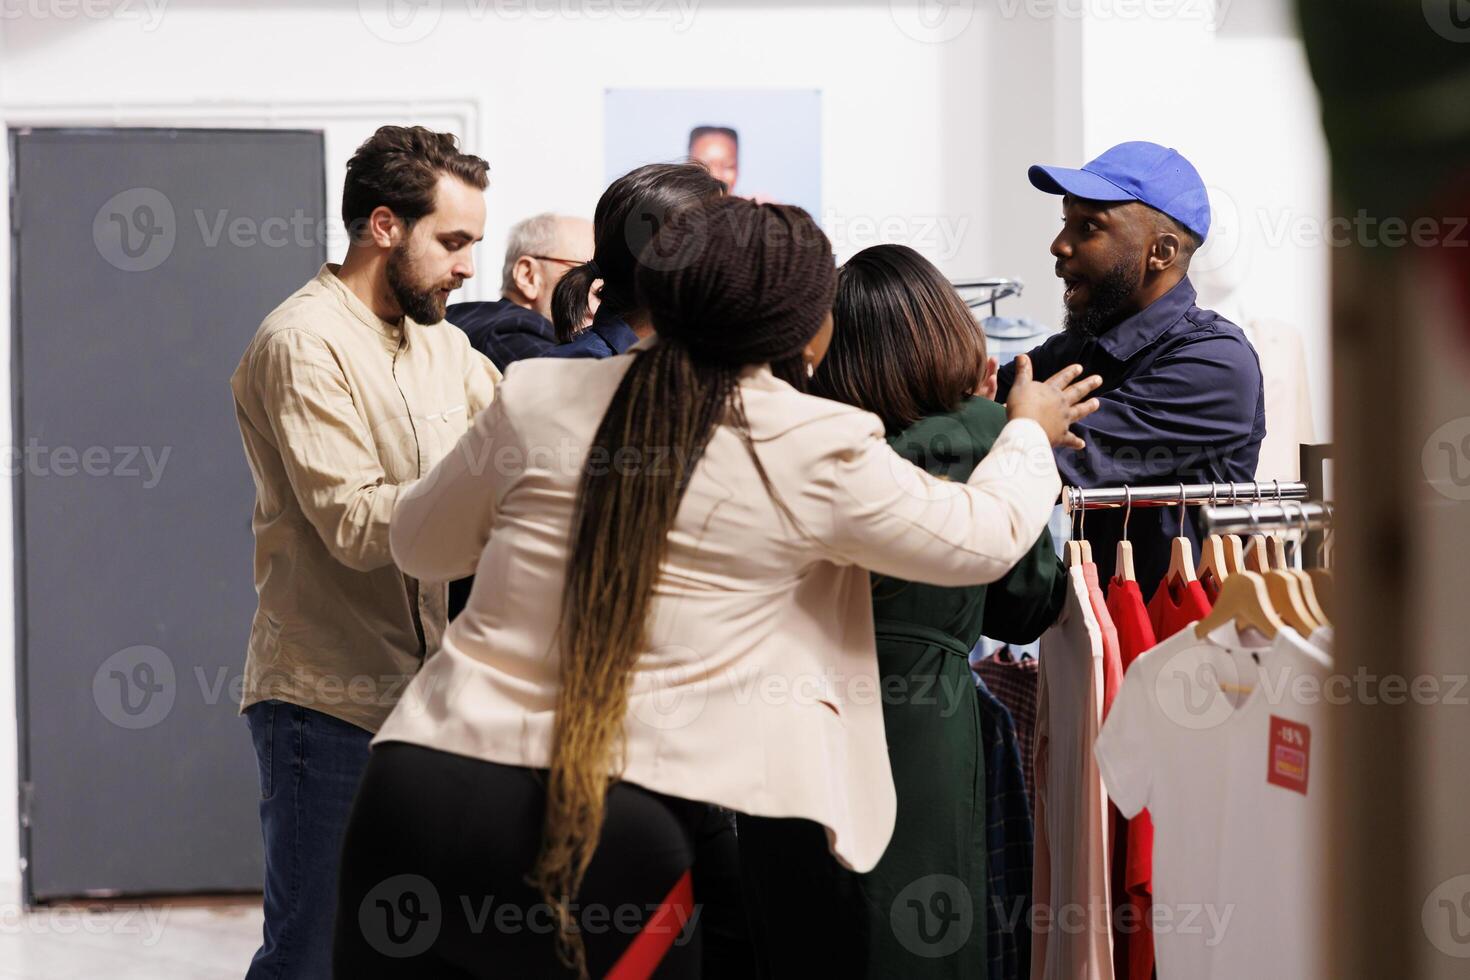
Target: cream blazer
[[759, 689]]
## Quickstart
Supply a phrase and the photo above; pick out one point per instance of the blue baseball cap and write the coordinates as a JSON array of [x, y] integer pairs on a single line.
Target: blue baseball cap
[[1147, 172]]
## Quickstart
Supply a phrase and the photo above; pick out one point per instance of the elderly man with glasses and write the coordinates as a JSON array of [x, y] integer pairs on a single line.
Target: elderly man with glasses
[[518, 325]]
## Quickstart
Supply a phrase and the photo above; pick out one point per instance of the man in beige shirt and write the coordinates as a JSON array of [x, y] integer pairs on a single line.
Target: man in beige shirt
[[351, 388]]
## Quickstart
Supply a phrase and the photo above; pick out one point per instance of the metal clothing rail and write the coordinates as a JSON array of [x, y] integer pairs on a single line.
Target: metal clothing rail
[[1267, 518], [995, 290], [1108, 498]]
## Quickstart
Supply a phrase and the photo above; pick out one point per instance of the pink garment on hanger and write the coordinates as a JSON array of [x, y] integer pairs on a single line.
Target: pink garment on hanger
[[1072, 936], [1112, 656]]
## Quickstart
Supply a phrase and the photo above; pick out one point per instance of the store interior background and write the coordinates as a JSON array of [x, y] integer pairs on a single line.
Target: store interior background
[[925, 137], [924, 141]]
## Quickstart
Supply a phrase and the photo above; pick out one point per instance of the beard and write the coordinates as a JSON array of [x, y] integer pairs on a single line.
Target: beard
[[419, 301], [1110, 302]]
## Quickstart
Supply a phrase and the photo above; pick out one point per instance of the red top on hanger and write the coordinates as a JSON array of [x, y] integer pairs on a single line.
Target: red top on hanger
[[1176, 605], [1132, 868]]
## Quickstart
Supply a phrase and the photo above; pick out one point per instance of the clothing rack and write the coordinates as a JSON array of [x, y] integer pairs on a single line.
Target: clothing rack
[[1267, 518], [995, 290], [1110, 498]]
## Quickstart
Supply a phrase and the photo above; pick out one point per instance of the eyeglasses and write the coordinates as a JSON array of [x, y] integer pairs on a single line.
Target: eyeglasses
[[553, 258]]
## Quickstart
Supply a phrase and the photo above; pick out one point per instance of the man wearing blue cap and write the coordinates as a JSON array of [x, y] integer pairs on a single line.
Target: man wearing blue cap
[[1182, 399]]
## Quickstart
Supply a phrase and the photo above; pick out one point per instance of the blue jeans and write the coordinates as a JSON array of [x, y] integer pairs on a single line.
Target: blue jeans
[[310, 765]]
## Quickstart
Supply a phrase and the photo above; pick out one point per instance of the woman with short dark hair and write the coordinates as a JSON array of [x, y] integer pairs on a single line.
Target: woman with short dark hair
[[905, 347]]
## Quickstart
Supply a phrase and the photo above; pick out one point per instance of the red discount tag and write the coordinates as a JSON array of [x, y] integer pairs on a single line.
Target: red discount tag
[[1290, 753]]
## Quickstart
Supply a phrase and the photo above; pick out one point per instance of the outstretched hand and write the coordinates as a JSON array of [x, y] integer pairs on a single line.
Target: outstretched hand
[[1055, 403]]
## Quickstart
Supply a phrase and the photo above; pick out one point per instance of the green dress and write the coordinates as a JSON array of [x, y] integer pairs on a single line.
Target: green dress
[[920, 913]]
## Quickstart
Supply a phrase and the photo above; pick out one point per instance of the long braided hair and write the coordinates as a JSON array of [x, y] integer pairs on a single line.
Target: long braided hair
[[729, 284]]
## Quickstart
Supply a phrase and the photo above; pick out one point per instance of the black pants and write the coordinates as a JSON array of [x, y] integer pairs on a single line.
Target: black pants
[[434, 865], [808, 914]]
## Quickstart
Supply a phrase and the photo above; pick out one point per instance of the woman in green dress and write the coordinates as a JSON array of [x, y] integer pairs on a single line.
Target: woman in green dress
[[906, 348]]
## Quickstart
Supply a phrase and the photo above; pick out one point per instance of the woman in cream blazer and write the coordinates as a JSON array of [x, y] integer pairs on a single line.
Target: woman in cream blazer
[[755, 686]]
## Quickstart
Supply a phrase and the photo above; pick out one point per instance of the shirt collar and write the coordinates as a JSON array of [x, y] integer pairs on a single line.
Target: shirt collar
[[1124, 341], [392, 334]]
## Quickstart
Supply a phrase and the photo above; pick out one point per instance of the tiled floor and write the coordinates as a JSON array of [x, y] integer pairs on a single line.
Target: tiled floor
[[182, 939]]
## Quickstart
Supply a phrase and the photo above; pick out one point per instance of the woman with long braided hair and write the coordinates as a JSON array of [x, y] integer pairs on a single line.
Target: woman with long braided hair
[[671, 610]]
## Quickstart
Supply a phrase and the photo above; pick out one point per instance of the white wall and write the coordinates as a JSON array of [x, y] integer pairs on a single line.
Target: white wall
[[930, 119], [1233, 94]]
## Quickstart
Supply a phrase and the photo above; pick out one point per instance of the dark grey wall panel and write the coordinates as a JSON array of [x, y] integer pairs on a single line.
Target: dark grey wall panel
[[144, 259]]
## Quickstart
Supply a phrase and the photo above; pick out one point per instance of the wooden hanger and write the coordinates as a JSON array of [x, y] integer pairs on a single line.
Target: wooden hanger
[[1212, 562], [1285, 592], [1322, 588], [1181, 562], [1276, 552], [1256, 558], [1123, 566], [1078, 550], [1181, 552], [1322, 574], [1072, 550], [1234, 554], [1309, 597], [1276, 543], [1283, 582], [1309, 587], [1286, 596], [1243, 601]]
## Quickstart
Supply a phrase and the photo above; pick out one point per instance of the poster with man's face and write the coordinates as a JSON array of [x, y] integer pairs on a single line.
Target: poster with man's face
[[764, 144]]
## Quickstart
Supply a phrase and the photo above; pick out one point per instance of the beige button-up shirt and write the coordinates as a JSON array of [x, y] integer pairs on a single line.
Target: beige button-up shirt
[[338, 409]]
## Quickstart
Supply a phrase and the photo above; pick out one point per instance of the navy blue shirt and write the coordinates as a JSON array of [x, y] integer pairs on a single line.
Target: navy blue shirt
[[607, 336], [1182, 401], [503, 331]]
